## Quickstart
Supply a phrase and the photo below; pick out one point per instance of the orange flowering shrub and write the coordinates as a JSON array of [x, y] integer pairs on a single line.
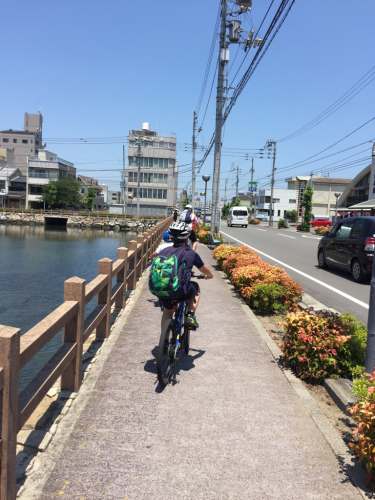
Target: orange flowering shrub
[[315, 345], [247, 279], [239, 260], [364, 415], [254, 221], [222, 252], [202, 236]]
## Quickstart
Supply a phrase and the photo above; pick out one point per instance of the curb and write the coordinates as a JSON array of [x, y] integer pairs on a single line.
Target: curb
[[347, 460]]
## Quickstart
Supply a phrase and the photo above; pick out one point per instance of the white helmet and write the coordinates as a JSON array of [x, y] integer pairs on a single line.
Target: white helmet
[[188, 206], [179, 231]]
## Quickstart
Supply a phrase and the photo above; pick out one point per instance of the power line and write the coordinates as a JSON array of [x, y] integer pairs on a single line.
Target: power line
[[208, 66], [334, 107]]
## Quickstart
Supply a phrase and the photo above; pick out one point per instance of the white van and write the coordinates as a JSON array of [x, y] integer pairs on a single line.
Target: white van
[[238, 216]]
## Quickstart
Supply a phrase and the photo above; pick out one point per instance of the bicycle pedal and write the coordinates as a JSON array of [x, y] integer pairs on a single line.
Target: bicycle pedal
[[192, 328]]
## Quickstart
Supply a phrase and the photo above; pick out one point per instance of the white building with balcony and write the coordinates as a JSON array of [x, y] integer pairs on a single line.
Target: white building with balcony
[[41, 169], [158, 171]]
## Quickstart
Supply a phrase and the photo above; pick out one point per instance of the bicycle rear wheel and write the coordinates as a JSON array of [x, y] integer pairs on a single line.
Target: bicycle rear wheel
[[165, 358]]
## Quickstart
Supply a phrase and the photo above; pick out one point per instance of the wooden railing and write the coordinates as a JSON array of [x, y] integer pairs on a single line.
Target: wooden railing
[[72, 213], [17, 351]]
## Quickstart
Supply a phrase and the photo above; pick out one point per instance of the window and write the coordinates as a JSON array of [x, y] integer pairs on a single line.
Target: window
[[357, 230], [25, 141], [164, 194], [268, 199], [276, 200], [292, 201], [344, 229], [240, 213], [278, 213], [5, 140], [2, 184], [160, 194], [35, 189], [15, 141], [82, 190], [30, 141]]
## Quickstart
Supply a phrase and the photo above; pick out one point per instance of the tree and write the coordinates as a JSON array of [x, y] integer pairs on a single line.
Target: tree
[[89, 198], [185, 202], [63, 193], [291, 215], [307, 205]]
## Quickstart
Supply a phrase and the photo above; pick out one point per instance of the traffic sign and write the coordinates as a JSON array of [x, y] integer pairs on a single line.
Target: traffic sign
[[220, 204], [254, 182]]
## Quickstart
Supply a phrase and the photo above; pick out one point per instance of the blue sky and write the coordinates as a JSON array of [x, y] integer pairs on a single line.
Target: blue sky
[[97, 70]]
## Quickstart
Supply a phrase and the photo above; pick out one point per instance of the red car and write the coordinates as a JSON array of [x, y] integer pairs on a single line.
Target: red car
[[321, 223]]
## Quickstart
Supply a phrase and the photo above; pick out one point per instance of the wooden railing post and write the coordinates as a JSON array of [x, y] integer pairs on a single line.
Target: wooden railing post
[[122, 253], [74, 289], [10, 364], [146, 247], [132, 263], [140, 240], [104, 297]]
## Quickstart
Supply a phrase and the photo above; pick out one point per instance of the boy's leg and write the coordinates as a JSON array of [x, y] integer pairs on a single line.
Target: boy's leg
[[167, 314]]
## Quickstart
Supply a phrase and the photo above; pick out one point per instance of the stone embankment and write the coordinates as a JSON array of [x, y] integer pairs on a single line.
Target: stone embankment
[[83, 222]]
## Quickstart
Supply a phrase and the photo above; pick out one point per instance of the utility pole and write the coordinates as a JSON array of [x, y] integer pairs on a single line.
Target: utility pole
[[269, 144], [225, 192], [138, 141], [193, 169], [223, 60], [237, 182], [123, 179], [251, 198]]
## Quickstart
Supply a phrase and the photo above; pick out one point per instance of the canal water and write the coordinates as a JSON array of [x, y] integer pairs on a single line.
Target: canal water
[[34, 263]]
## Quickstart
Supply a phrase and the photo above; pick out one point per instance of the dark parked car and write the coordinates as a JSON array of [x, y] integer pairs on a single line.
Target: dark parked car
[[321, 223], [349, 246]]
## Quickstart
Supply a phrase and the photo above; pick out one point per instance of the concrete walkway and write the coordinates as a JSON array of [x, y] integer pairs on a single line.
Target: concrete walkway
[[229, 427]]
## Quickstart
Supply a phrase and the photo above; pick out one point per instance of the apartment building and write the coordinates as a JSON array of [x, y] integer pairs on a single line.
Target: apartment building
[[158, 171], [24, 142], [283, 200], [42, 168]]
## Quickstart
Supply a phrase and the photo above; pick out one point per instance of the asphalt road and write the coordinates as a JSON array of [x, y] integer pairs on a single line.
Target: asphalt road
[[297, 254]]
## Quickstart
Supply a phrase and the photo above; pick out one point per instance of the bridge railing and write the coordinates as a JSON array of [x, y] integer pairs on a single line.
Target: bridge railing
[[72, 213], [17, 351]]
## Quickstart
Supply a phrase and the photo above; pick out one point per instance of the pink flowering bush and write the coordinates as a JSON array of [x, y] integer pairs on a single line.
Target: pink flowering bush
[[323, 345]]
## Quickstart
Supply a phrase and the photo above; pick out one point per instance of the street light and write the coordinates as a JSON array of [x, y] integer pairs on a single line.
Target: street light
[[337, 199], [206, 178]]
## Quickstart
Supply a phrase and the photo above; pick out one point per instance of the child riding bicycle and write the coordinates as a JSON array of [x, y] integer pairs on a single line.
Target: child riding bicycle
[[175, 284]]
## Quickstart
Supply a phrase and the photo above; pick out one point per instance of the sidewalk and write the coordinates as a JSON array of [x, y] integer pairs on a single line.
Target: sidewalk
[[230, 426]]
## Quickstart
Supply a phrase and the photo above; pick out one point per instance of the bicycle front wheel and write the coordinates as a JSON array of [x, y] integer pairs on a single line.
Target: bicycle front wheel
[[186, 334], [165, 358]]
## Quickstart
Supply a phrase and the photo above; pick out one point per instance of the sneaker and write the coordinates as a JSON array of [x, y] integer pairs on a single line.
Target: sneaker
[[191, 321]]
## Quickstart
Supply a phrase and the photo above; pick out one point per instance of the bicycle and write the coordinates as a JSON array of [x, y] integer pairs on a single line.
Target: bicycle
[[171, 341]]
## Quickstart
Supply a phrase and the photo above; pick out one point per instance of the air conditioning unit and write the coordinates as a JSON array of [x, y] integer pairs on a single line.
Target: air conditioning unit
[[2, 190]]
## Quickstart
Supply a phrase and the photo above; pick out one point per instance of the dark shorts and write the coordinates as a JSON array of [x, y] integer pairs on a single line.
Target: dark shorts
[[193, 237], [168, 304]]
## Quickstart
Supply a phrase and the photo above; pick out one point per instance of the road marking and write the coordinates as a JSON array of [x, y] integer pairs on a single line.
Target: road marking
[[261, 229], [339, 292], [286, 236], [312, 237]]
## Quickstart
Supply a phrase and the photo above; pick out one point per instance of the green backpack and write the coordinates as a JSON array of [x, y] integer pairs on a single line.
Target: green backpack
[[168, 273]]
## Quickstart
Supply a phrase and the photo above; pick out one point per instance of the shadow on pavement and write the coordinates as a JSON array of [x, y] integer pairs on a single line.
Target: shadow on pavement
[[186, 363]]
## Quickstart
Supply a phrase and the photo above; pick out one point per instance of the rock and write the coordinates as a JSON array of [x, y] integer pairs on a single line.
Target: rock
[[67, 395], [35, 439], [87, 355], [52, 392]]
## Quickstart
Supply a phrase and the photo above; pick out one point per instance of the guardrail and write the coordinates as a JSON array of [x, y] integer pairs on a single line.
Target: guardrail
[[73, 213], [16, 351]]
